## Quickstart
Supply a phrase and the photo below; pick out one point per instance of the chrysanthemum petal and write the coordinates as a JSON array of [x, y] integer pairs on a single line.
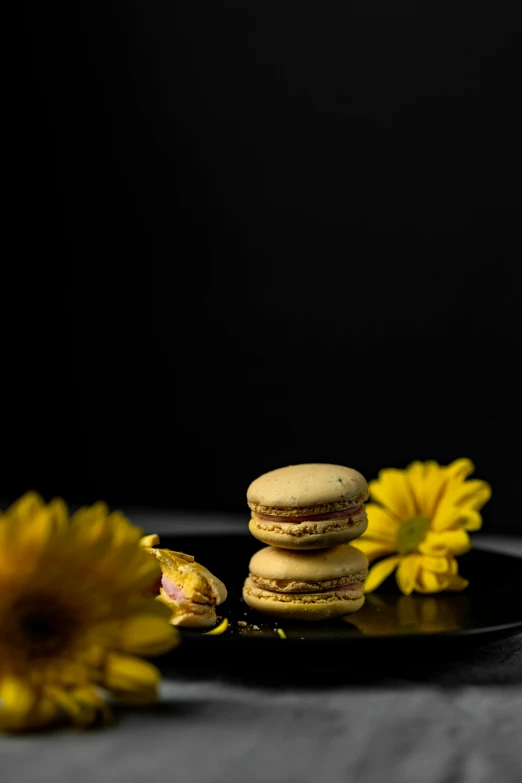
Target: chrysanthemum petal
[[381, 524], [437, 565], [456, 541], [428, 582], [460, 469], [125, 673], [457, 502], [392, 490], [426, 481], [457, 583], [473, 493], [379, 572], [472, 520], [432, 545], [372, 549], [407, 573]]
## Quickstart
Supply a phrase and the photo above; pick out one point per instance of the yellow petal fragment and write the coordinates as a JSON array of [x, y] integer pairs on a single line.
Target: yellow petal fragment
[[392, 490], [281, 633], [379, 573], [219, 629], [150, 541]]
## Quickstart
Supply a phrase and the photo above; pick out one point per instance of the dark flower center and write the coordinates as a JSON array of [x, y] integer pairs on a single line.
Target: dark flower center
[[37, 627], [43, 628]]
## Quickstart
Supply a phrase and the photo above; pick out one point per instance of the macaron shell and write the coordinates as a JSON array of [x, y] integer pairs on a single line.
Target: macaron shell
[[308, 540], [297, 609], [307, 485], [319, 565]]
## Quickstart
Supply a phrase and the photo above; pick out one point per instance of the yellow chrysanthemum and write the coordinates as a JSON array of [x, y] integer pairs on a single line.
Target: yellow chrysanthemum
[[419, 523], [73, 617]]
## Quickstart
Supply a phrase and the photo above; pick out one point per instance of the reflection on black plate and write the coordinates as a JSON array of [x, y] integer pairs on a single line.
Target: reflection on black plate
[[490, 607]]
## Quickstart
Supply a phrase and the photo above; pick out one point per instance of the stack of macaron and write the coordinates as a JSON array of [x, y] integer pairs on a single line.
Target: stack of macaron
[[307, 514]]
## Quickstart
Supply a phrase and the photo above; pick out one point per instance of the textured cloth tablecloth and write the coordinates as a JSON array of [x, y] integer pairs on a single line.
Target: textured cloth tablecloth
[[461, 725]]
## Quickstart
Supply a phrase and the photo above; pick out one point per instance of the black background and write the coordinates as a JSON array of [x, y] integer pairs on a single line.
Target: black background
[[250, 234]]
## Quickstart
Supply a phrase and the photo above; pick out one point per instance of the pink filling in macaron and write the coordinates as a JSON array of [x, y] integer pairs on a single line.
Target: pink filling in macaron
[[172, 590], [354, 586], [344, 512]]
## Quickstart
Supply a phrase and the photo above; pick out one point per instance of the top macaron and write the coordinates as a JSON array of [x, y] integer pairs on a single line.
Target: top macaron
[[308, 506]]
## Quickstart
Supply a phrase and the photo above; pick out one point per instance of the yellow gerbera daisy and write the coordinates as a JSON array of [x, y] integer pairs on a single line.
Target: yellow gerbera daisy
[[73, 616], [420, 521]]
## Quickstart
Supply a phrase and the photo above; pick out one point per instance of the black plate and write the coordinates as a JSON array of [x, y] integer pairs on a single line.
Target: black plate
[[490, 608]]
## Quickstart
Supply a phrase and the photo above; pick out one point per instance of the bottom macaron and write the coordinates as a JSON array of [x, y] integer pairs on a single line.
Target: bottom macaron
[[303, 606], [317, 585]]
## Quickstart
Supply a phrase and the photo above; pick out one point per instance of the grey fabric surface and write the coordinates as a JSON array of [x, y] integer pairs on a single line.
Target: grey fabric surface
[[461, 723]]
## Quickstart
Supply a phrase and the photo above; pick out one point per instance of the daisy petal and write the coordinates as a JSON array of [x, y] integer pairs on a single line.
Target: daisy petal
[[17, 697], [124, 673], [63, 699], [379, 573], [88, 697], [407, 573], [392, 490], [381, 524], [372, 549], [147, 635]]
